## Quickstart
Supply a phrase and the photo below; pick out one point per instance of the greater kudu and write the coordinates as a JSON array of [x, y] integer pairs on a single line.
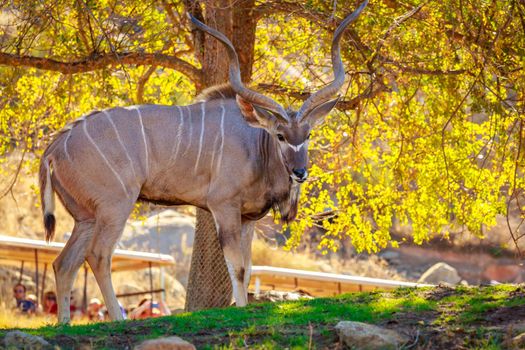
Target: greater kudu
[[236, 154]]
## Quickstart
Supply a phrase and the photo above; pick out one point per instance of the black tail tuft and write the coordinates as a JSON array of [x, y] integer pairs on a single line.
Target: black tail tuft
[[49, 224]]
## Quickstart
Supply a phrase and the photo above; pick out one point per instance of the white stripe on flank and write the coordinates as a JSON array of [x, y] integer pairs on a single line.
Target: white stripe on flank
[[108, 116], [214, 148], [191, 130], [176, 146], [105, 159], [143, 138], [202, 136], [223, 111], [65, 145]]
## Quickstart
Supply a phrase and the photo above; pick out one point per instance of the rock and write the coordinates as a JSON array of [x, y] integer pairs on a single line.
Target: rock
[[440, 273], [169, 343], [519, 341], [167, 232], [390, 255], [21, 340], [324, 267], [361, 336], [519, 327], [503, 273]]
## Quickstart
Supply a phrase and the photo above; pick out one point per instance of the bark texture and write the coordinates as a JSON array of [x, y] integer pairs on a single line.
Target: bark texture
[[209, 283]]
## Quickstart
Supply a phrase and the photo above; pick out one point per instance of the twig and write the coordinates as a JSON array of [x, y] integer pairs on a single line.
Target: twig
[[397, 22], [514, 237], [311, 331], [414, 342]]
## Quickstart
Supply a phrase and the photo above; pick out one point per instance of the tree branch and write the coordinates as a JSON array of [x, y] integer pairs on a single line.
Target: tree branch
[[142, 82], [424, 71], [343, 105], [100, 61]]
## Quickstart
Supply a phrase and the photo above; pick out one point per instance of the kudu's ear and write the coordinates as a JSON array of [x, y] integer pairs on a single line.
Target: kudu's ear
[[318, 113], [256, 116]]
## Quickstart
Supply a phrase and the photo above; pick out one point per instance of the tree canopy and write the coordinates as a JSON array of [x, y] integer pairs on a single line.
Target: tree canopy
[[429, 132]]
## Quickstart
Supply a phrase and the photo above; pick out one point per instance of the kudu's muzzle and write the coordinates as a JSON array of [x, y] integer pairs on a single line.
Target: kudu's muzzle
[[299, 175]]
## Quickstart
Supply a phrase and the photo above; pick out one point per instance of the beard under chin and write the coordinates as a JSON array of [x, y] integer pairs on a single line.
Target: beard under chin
[[289, 206]]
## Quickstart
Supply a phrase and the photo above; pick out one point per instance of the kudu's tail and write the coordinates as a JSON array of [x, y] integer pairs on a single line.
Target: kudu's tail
[[47, 198]]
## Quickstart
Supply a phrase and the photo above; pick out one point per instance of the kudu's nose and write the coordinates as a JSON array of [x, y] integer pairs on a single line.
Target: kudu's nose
[[300, 174]]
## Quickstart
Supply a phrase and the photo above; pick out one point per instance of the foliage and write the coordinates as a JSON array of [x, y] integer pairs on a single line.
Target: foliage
[[440, 151], [446, 311], [432, 139]]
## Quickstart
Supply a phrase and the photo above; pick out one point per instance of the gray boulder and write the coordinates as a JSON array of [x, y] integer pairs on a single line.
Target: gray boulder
[[167, 232], [440, 273], [362, 336], [518, 342], [171, 343], [21, 340]]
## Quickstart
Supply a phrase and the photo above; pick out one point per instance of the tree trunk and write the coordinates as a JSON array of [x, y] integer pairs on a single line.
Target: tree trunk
[[209, 283], [244, 25]]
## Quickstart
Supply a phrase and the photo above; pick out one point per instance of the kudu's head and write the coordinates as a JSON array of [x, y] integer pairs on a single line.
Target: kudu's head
[[291, 129]]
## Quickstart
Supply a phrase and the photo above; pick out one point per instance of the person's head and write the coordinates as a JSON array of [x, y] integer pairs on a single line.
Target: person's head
[[94, 305], [19, 291], [50, 298]]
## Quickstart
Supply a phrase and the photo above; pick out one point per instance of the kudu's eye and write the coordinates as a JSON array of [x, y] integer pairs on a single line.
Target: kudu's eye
[[280, 137]]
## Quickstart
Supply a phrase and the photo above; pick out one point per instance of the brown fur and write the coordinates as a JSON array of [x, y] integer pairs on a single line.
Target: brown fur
[[217, 92], [46, 166]]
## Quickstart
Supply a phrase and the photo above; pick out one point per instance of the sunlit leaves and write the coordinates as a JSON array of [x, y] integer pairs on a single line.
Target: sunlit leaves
[[437, 153]]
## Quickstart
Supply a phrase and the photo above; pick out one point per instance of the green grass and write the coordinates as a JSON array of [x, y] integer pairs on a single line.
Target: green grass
[[296, 324], [470, 304]]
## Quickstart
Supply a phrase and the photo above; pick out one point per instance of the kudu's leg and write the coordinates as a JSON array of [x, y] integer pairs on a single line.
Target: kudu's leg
[[246, 246], [108, 229], [228, 222], [66, 265]]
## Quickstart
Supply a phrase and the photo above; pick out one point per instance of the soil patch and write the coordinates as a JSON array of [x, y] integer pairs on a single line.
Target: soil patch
[[518, 293], [503, 316], [439, 292]]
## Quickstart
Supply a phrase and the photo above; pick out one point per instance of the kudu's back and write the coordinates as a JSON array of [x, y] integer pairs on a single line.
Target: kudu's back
[[163, 154]]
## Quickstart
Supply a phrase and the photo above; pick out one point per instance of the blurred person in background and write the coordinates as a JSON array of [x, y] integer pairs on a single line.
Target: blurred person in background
[[50, 303], [76, 312], [148, 308], [123, 310], [23, 304], [32, 298], [95, 310]]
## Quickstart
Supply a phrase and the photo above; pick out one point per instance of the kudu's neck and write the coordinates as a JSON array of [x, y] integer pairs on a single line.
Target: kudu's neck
[[284, 197], [273, 163]]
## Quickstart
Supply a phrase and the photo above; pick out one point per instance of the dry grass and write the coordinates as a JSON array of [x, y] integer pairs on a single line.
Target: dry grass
[[14, 319], [366, 266], [264, 254], [20, 210]]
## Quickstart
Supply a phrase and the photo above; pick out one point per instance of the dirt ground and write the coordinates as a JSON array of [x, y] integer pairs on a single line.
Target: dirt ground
[[441, 328]]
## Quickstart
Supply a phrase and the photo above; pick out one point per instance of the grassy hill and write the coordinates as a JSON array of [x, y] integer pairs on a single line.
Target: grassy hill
[[439, 318]]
